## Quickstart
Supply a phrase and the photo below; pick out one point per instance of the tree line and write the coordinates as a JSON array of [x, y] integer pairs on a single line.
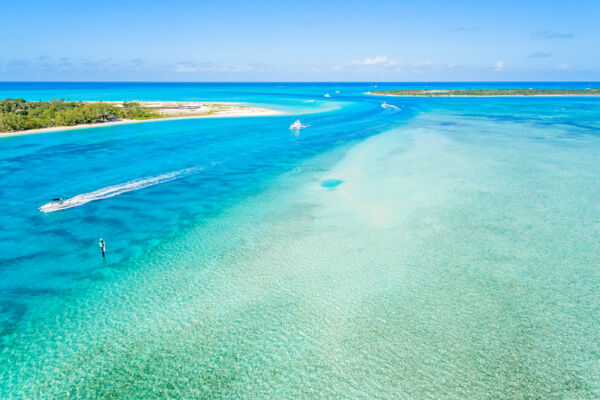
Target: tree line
[[19, 114], [488, 92]]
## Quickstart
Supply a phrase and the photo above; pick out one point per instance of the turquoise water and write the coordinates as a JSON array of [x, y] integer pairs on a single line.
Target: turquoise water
[[447, 249]]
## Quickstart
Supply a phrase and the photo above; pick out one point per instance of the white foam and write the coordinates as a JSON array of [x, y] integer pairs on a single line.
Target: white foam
[[115, 190]]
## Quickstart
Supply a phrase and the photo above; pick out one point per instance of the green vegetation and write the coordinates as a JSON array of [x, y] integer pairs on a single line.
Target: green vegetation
[[490, 92], [20, 115]]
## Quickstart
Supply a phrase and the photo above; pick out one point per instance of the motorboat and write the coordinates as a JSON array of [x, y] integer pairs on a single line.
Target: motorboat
[[56, 204], [327, 95], [386, 105]]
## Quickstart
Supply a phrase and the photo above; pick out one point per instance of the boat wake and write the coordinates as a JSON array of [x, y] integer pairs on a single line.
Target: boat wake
[[111, 191], [389, 106]]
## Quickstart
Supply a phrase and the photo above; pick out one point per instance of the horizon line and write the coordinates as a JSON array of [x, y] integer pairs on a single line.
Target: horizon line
[[383, 82]]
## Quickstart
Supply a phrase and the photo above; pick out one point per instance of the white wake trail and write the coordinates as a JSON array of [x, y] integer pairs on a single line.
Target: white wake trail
[[390, 106], [111, 191]]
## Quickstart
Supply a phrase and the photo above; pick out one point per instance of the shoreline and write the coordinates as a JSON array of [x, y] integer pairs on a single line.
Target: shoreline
[[235, 110], [487, 95]]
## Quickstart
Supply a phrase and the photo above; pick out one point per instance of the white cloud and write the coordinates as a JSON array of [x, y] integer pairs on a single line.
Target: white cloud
[[191, 67], [563, 67], [187, 68], [379, 61], [384, 63], [499, 66]]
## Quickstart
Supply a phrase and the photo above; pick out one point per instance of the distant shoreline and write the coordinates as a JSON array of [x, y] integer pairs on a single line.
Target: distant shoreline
[[176, 111], [475, 95], [488, 92]]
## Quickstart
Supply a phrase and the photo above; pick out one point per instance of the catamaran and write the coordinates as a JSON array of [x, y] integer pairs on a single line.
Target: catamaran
[[298, 125]]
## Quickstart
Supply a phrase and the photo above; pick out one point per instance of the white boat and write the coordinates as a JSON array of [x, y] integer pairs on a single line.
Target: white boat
[[115, 190], [386, 105], [327, 95], [56, 204], [298, 125], [337, 91]]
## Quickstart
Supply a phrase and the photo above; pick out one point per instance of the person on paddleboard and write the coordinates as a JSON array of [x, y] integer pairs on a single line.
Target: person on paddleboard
[[102, 246]]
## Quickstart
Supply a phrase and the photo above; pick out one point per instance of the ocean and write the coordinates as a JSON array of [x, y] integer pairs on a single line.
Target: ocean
[[441, 248]]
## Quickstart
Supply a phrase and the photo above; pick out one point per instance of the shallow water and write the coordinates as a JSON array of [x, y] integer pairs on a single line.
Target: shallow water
[[444, 250]]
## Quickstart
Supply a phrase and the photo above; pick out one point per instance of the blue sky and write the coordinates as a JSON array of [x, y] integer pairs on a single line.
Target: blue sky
[[300, 40]]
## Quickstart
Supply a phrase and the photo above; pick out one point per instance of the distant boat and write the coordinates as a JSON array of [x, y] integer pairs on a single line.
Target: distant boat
[[298, 125], [337, 91], [386, 105], [327, 95]]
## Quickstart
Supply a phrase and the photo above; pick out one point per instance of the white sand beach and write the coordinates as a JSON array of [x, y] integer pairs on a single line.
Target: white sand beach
[[169, 110]]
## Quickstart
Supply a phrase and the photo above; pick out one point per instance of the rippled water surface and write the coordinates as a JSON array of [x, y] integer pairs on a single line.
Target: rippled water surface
[[446, 248]]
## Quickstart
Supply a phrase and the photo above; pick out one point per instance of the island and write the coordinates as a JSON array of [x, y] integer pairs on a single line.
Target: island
[[19, 116], [487, 92]]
